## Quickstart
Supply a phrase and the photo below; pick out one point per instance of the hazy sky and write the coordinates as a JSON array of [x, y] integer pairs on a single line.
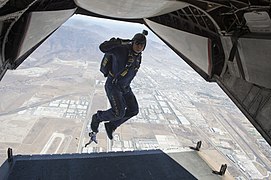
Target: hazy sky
[[118, 25]]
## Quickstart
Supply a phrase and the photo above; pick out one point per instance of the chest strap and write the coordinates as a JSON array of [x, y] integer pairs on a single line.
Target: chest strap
[[128, 66]]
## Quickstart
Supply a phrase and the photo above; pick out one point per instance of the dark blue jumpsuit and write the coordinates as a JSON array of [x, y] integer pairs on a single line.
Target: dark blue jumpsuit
[[123, 101]]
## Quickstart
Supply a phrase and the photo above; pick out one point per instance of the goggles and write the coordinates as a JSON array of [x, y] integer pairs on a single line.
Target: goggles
[[139, 43]]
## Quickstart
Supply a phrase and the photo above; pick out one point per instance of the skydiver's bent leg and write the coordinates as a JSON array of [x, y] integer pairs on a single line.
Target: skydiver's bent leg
[[95, 123], [116, 112], [117, 102], [131, 109]]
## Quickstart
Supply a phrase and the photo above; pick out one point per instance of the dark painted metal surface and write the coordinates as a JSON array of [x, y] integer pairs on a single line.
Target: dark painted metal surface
[[154, 164]]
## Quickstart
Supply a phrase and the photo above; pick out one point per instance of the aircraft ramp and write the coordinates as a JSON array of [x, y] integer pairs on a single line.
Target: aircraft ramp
[[152, 164]]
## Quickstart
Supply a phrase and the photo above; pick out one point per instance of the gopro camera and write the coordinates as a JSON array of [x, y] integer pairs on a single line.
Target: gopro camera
[[145, 32]]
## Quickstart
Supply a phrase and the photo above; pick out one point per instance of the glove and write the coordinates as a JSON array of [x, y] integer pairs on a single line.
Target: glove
[[121, 41], [112, 43], [125, 41]]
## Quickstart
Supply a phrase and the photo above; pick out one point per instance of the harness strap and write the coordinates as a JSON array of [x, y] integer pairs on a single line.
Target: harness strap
[[111, 74], [127, 67]]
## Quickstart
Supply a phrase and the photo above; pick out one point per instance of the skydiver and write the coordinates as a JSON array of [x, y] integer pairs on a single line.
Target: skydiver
[[120, 64]]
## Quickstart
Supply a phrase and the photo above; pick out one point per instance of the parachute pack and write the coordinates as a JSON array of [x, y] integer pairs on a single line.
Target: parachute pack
[[106, 64]]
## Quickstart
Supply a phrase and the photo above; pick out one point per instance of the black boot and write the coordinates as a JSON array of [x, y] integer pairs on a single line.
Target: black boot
[[110, 128], [95, 123]]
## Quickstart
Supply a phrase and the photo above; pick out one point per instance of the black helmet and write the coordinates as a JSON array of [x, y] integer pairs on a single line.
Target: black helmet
[[141, 38]]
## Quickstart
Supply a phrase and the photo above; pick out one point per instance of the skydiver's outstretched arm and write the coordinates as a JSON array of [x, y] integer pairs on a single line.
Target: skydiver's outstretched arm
[[107, 46]]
